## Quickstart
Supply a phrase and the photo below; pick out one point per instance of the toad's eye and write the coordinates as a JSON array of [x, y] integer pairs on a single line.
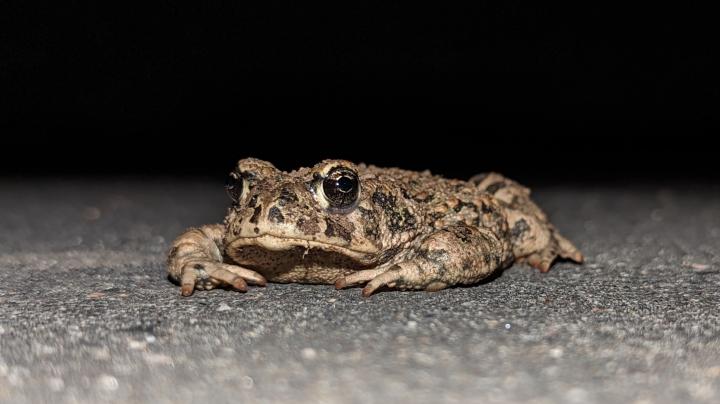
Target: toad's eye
[[341, 188], [234, 186]]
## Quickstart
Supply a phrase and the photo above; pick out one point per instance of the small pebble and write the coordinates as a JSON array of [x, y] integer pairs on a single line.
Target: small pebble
[[107, 383], [247, 382], [56, 384], [308, 353], [714, 372], [137, 345], [157, 359], [101, 353], [577, 395]]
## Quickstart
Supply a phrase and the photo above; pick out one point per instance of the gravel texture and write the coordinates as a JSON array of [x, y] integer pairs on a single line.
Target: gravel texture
[[87, 314]]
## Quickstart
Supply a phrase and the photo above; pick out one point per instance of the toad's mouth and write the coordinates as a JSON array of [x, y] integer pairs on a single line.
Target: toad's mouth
[[273, 243], [282, 259]]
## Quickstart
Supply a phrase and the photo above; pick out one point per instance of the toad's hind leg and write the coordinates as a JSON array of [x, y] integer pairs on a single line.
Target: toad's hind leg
[[196, 262], [538, 243], [534, 239], [456, 255]]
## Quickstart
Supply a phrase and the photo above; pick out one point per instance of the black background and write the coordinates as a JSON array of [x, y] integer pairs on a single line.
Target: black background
[[587, 93]]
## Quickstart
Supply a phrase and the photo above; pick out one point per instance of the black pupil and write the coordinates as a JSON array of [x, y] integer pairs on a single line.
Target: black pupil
[[345, 184]]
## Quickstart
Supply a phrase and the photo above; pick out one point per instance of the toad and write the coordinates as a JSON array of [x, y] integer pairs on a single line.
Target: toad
[[353, 224]]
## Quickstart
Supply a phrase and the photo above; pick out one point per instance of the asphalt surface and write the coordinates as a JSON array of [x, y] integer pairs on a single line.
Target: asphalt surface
[[87, 315]]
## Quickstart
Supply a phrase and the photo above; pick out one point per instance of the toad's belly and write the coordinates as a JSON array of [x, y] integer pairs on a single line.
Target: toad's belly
[[297, 264]]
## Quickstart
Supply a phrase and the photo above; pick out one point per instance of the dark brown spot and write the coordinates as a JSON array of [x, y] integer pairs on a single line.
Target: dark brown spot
[[252, 201], [385, 201], [463, 233], [437, 257], [390, 253], [329, 228], [287, 197], [371, 231], [518, 229], [436, 215], [338, 229], [172, 254], [367, 214], [462, 204], [308, 226], [369, 219], [494, 187], [485, 208], [401, 220], [423, 197], [256, 230], [310, 185], [275, 215], [256, 214], [477, 179]]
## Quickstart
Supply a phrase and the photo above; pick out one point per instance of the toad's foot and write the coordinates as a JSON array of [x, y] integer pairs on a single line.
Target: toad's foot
[[557, 247], [401, 276], [206, 275], [394, 277], [195, 262]]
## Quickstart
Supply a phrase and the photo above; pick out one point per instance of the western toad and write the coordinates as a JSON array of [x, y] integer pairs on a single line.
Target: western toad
[[349, 224]]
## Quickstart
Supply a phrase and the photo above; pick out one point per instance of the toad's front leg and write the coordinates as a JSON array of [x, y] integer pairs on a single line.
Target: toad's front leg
[[196, 262], [456, 255]]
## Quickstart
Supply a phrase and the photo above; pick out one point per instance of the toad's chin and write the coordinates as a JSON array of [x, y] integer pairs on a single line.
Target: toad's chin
[[282, 259]]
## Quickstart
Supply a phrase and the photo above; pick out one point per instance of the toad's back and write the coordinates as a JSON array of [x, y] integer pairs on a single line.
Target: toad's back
[[484, 201]]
